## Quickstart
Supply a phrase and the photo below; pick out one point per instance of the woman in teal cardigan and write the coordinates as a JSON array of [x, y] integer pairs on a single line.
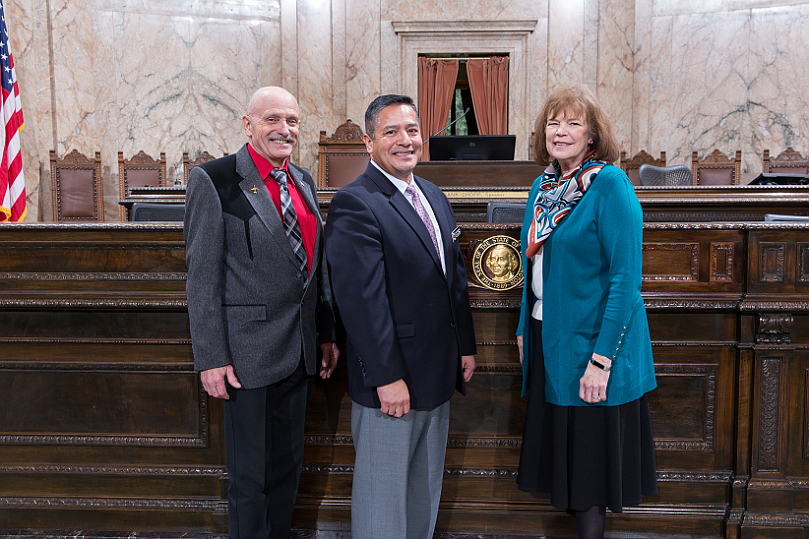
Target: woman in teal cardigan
[[583, 334]]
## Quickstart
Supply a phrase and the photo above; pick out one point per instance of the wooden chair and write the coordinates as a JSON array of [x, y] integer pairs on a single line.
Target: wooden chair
[[342, 157], [188, 164], [788, 162], [632, 166], [76, 188], [716, 169], [140, 171]]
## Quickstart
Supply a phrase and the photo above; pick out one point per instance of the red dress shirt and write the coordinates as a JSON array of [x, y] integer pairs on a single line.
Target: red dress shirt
[[306, 220]]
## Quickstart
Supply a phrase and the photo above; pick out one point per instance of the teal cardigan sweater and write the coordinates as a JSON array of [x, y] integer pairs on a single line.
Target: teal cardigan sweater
[[591, 298]]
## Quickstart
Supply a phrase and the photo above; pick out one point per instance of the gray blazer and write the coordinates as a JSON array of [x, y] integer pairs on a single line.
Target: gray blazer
[[248, 304]]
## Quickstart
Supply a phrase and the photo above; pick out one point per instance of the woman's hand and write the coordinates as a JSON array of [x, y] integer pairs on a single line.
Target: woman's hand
[[519, 345], [593, 385]]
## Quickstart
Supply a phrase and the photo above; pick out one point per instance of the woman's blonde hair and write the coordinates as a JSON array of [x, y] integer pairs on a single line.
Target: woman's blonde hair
[[577, 100]]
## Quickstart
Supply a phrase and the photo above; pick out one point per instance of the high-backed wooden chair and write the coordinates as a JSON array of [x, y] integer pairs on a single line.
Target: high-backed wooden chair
[[716, 169], [76, 188], [788, 162], [188, 164], [342, 156], [140, 171], [632, 166]]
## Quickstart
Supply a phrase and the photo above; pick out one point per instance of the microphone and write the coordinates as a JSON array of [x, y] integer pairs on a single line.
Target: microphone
[[450, 124]]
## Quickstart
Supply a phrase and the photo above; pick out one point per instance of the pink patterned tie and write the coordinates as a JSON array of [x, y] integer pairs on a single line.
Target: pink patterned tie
[[414, 197]]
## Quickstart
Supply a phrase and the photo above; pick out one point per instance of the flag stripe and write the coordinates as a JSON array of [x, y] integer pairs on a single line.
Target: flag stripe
[[12, 180]]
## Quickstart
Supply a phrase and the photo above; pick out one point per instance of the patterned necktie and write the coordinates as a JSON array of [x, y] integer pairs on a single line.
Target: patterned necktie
[[414, 197], [291, 226]]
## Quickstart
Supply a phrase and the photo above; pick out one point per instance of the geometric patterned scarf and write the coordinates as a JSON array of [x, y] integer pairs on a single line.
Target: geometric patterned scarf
[[556, 199]]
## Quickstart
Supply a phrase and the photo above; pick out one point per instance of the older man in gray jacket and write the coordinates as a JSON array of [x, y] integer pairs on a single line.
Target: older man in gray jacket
[[259, 302]]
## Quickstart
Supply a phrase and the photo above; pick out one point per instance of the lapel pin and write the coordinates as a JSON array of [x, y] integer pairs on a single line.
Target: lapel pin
[[254, 189], [456, 233]]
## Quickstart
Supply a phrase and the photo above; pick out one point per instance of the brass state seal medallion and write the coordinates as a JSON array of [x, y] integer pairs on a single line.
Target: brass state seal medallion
[[497, 264]]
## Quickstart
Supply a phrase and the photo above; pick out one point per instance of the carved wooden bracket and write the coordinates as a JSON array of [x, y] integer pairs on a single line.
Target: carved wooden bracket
[[774, 328]]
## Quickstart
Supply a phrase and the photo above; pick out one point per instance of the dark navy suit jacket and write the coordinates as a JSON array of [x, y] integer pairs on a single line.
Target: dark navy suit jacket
[[404, 318]]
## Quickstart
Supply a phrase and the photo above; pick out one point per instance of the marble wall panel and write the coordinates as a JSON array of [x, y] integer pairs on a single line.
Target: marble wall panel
[[364, 58], [616, 65], [175, 75], [315, 85], [566, 43], [663, 8], [778, 103], [537, 80], [467, 10], [641, 95], [74, 58], [701, 94], [27, 22]]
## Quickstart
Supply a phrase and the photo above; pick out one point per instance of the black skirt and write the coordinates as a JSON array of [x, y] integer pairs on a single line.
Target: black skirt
[[585, 455]]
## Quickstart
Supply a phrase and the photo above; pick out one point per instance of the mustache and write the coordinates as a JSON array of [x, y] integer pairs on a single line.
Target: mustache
[[287, 138]]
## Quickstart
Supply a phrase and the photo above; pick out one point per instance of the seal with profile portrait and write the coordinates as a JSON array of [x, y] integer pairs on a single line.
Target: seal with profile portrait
[[497, 264]]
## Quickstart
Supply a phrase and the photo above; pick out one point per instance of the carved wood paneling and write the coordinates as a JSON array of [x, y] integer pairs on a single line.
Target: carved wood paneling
[[769, 415], [771, 262], [774, 328], [721, 262], [94, 408], [806, 414], [671, 261], [803, 262], [683, 407]]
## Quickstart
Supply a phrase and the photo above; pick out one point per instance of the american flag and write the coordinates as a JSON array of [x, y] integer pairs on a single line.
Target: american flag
[[12, 183]]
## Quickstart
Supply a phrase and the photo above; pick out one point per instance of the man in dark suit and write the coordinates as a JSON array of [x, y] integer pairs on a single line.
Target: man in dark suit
[[259, 301], [399, 281]]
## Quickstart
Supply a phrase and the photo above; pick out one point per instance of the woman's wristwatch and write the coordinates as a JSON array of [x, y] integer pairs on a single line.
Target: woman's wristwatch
[[600, 365]]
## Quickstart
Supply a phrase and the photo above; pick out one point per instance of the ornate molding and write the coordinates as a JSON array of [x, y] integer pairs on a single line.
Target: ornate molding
[[481, 472], [174, 504], [689, 248], [774, 328], [784, 520], [96, 245], [115, 470], [803, 262], [707, 442], [95, 276], [453, 441], [328, 468], [771, 262], [464, 27], [672, 476], [768, 420], [654, 303], [499, 369], [721, 262], [772, 484], [748, 306], [328, 440], [95, 303], [346, 133], [105, 367], [492, 303]]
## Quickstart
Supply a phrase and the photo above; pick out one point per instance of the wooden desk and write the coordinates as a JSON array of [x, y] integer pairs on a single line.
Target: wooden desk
[[103, 423]]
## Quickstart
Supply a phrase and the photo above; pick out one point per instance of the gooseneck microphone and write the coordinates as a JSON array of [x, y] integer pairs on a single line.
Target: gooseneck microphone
[[450, 124]]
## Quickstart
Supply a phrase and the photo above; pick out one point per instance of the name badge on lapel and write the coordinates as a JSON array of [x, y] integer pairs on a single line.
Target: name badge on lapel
[[456, 233]]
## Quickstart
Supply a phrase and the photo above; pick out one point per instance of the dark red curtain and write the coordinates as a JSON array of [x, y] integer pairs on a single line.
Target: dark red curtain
[[436, 85], [488, 84]]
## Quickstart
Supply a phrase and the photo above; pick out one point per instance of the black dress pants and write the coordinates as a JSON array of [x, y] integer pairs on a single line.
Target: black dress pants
[[264, 449]]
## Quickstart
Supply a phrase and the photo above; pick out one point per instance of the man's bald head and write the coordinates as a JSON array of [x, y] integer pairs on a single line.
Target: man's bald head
[[269, 94], [271, 124]]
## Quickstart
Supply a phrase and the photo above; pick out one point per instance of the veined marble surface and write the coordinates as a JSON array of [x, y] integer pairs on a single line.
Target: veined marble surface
[[175, 75]]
